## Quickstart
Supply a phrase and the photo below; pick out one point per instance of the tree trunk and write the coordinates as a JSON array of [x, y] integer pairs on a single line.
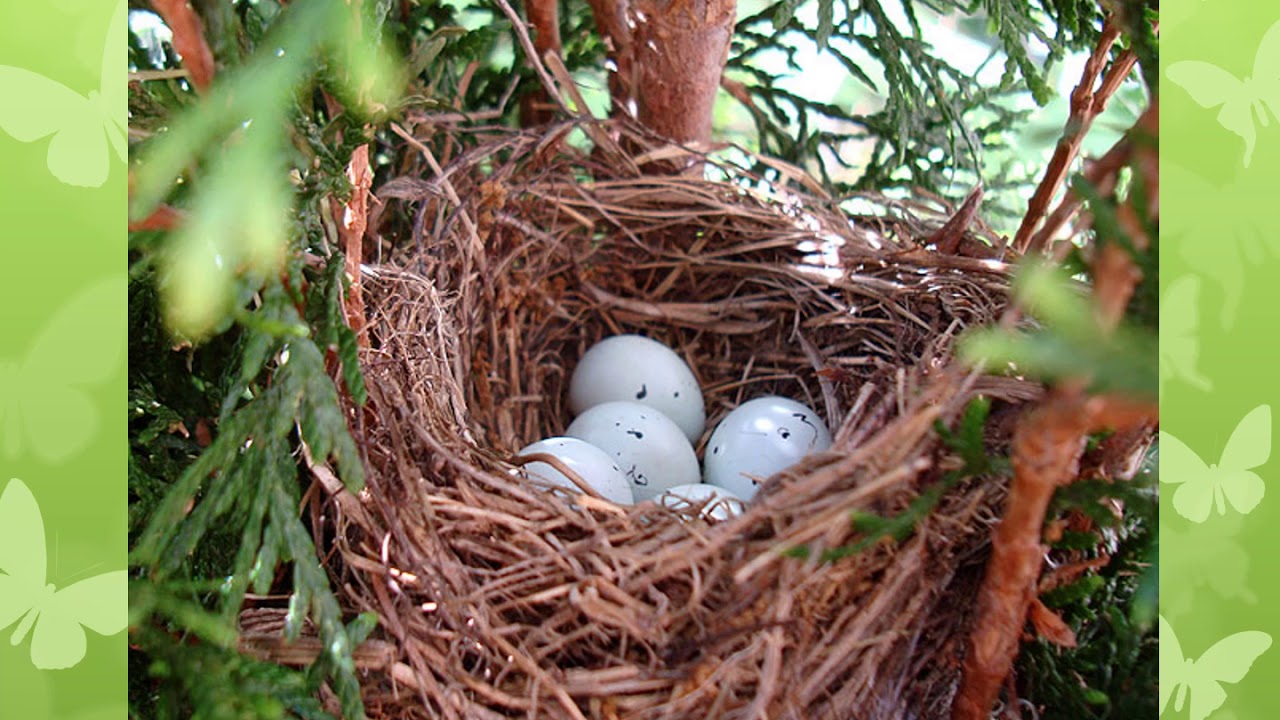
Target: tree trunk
[[668, 57]]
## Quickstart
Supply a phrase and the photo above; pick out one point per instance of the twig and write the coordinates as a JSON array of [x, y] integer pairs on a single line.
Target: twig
[[947, 239], [445, 185], [522, 35], [165, 217], [188, 40], [368, 655], [166, 74], [1086, 104]]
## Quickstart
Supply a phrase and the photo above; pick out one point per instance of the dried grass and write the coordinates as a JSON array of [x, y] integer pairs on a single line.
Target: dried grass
[[503, 599]]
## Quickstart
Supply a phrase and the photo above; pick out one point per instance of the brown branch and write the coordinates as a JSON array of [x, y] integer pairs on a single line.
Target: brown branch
[[544, 19], [1086, 104], [680, 51], [611, 22], [188, 40], [368, 655], [531, 53], [1101, 175], [165, 217], [1047, 451], [1046, 454], [353, 219]]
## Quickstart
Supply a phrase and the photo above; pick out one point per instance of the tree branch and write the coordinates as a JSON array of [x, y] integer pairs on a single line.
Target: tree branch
[[188, 40], [680, 47], [353, 220], [1046, 453], [1086, 104], [544, 19]]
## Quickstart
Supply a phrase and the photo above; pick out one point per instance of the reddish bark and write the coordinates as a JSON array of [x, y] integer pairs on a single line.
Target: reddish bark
[[164, 217], [353, 219], [668, 57], [188, 40], [544, 20], [1047, 448], [1086, 104], [680, 48]]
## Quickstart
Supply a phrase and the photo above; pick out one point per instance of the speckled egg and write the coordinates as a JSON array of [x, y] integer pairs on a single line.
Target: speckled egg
[[590, 463], [636, 369], [649, 447], [722, 504], [759, 438]]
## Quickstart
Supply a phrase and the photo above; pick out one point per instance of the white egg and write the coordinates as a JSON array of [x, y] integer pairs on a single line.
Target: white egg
[[589, 462], [759, 438], [652, 452], [722, 504], [636, 369]]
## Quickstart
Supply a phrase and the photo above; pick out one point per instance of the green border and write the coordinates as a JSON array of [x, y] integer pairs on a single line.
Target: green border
[[62, 362], [1219, 269]]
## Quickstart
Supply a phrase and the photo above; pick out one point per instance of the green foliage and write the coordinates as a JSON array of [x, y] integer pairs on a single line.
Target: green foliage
[[928, 104], [218, 684], [241, 494], [236, 229], [1070, 342]]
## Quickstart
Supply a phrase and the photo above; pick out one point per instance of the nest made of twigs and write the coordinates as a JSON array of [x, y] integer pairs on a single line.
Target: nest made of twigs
[[505, 599]]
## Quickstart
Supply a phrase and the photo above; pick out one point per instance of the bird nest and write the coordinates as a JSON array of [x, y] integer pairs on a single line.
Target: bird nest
[[500, 598]]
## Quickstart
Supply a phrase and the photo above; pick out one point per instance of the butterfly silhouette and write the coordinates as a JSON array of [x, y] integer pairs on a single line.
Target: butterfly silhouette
[[43, 402], [84, 129], [32, 694], [1205, 486], [1228, 661], [1229, 246], [1211, 86], [52, 617], [1180, 349]]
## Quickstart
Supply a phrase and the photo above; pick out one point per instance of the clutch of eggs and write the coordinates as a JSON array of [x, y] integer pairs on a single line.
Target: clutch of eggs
[[652, 451], [590, 463], [636, 369], [759, 438]]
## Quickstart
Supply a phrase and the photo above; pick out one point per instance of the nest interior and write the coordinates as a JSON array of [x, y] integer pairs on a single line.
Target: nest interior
[[506, 599]]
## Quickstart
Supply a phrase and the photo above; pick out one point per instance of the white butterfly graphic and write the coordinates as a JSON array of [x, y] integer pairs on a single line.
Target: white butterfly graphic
[[85, 129]]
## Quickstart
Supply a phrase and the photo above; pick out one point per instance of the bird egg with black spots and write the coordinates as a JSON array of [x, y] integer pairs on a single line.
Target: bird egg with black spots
[[648, 446], [759, 438], [636, 369]]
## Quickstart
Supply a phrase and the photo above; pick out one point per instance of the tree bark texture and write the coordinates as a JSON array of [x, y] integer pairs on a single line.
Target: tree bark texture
[[680, 49], [544, 20], [668, 56]]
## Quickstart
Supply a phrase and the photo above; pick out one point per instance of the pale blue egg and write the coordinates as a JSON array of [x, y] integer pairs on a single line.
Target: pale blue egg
[[647, 445], [590, 463], [759, 438], [636, 369]]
